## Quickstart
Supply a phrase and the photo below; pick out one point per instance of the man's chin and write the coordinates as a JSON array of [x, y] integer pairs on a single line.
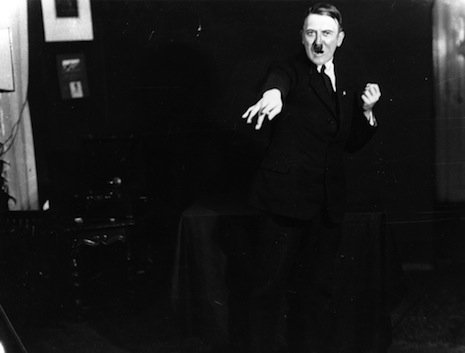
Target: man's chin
[[318, 59]]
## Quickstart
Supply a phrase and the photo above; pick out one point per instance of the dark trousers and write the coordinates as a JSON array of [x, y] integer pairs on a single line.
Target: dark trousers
[[294, 280]]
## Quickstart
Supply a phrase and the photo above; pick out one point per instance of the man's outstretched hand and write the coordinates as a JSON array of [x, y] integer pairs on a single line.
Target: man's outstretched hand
[[268, 107]]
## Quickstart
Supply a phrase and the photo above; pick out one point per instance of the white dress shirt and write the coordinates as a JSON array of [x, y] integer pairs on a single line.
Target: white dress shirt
[[329, 70]]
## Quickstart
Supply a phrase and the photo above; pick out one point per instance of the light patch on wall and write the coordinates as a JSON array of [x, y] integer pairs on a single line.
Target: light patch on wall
[[6, 62], [449, 88]]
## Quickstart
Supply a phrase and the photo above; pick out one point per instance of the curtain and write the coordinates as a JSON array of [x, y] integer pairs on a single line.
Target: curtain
[[449, 66], [16, 140]]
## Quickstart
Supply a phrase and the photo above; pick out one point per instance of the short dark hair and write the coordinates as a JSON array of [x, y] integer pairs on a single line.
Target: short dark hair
[[325, 9]]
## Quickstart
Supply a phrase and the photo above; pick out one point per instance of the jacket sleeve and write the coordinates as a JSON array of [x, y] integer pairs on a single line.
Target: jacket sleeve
[[281, 76], [361, 132]]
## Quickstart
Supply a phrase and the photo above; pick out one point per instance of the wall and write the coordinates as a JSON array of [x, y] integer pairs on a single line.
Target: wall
[[170, 79]]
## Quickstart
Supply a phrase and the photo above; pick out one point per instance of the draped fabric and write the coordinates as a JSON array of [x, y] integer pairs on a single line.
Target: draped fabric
[[16, 140], [449, 66], [215, 253]]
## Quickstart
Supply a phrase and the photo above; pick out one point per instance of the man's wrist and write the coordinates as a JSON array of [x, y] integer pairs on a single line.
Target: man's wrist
[[370, 117], [272, 91]]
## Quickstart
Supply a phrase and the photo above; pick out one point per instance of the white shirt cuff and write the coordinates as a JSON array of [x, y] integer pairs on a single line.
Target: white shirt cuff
[[371, 118]]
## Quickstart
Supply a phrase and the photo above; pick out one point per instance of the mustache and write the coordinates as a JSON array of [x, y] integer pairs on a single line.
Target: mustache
[[318, 48]]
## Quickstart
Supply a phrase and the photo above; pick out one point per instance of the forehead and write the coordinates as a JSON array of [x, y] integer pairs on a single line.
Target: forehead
[[320, 22]]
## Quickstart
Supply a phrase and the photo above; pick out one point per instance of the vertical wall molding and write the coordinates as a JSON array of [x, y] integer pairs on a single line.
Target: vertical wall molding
[[449, 92]]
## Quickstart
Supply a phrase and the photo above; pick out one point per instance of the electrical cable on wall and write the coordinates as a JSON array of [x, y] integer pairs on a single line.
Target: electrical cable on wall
[[8, 143], [5, 146]]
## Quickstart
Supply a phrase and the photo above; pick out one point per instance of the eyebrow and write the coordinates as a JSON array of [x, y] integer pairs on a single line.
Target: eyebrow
[[315, 30]]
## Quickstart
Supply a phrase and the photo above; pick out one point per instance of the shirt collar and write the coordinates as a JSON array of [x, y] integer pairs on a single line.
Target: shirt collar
[[329, 65]]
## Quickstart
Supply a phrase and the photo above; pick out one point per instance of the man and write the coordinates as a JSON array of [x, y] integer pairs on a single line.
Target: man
[[300, 184]]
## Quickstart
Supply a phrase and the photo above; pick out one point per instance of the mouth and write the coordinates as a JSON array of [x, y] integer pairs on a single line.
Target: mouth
[[318, 49]]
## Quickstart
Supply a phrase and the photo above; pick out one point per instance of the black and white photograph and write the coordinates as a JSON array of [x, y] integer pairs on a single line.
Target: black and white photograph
[[232, 176]]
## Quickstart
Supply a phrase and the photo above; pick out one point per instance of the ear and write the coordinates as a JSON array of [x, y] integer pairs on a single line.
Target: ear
[[340, 38]]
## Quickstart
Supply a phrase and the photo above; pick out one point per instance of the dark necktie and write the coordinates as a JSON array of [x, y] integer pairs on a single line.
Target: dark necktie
[[329, 87], [327, 81]]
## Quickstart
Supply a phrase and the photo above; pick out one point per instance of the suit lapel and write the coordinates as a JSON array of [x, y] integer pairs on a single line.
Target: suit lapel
[[344, 83]]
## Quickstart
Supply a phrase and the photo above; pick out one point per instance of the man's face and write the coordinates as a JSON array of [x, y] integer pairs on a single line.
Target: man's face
[[321, 37]]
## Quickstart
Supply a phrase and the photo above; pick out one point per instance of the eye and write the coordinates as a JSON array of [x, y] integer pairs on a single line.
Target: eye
[[310, 33]]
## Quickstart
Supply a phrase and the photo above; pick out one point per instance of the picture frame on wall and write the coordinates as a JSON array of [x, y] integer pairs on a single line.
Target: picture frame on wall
[[72, 75], [67, 20]]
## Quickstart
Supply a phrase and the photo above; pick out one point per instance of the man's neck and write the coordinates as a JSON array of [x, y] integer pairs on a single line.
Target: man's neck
[[328, 65]]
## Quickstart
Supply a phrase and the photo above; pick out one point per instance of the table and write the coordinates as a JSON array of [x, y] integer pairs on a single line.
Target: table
[[211, 277]]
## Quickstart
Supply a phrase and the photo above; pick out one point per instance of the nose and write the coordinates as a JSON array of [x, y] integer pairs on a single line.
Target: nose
[[317, 44]]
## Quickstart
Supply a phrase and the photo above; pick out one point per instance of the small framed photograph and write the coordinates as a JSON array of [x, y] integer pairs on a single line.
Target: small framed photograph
[[75, 89], [66, 8], [72, 76], [67, 20]]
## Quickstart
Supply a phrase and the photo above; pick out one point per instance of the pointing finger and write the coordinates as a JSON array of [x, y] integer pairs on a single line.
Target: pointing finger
[[260, 119]]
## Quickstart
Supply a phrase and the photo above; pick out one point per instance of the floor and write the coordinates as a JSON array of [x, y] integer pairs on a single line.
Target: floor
[[135, 317], [431, 317]]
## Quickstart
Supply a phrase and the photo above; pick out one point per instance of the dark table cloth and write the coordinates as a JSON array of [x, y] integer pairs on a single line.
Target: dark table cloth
[[211, 279]]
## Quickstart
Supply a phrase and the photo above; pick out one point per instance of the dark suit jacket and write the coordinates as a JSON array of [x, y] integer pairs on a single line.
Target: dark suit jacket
[[302, 169]]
